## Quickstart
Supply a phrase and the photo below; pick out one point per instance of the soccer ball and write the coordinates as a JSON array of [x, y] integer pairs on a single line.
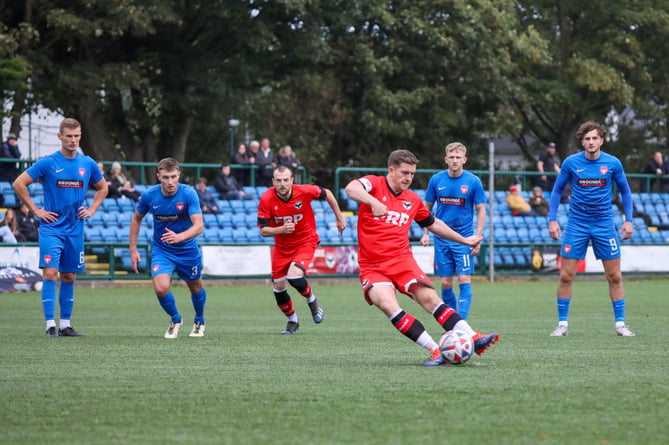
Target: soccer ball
[[456, 347]]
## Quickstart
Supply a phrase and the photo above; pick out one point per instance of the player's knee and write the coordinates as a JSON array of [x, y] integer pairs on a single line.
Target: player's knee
[[300, 284]]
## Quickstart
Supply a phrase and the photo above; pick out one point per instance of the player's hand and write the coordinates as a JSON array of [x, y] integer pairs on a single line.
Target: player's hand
[[169, 237], [554, 230], [425, 239], [45, 215], [135, 258], [379, 210], [627, 230], [341, 225], [476, 249], [473, 241], [288, 227], [84, 213]]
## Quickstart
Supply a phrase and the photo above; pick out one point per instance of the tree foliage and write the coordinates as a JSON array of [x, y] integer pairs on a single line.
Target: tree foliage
[[342, 81]]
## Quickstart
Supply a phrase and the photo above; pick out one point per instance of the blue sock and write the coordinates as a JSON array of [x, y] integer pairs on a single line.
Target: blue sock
[[49, 299], [198, 304], [619, 309], [448, 296], [465, 300], [169, 305], [66, 300], [563, 308]]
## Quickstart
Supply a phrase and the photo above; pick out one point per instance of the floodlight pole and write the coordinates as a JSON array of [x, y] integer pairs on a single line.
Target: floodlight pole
[[491, 205], [232, 124]]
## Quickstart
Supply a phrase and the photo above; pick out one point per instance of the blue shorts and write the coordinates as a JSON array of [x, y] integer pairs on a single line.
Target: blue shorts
[[579, 232], [63, 252], [188, 264], [451, 258]]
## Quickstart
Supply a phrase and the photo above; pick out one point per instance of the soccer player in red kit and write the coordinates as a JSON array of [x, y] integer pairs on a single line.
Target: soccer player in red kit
[[285, 213], [387, 208]]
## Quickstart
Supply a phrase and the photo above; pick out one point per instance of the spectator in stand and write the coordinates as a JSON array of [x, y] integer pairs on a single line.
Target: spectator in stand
[[538, 202], [547, 164], [112, 191], [227, 186], [254, 147], [516, 203], [206, 197], [121, 183], [10, 149], [265, 163], [287, 157], [28, 224], [242, 158], [665, 178], [654, 166], [9, 230]]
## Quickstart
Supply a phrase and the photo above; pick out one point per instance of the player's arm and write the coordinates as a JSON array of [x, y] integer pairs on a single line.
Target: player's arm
[[267, 231], [356, 191], [135, 224], [440, 228], [553, 226], [332, 202], [626, 193], [21, 188], [100, 195], [425, 239]]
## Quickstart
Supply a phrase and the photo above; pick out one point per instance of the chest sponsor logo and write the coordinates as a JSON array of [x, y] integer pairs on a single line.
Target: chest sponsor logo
[[70, 183], [396, 218], [451, 200], [281, 220], [168, 218], [592, 182]]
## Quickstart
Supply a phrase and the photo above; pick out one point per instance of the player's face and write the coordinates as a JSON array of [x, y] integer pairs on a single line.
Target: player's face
[[592, 143], [169, 181], [69, 139], [455, 161], [283, 183], [400, 177]]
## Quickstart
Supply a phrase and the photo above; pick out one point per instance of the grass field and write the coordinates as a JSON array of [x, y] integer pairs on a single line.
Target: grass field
[[352, 380]]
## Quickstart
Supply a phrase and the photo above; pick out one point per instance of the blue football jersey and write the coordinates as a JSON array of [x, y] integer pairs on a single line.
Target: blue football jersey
[[65, 182], [170, 212], [591, 186], [455, 199]]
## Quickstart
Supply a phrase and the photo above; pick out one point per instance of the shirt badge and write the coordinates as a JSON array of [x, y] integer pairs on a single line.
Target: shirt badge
[[603, 170], [180, 206], [463, 189]]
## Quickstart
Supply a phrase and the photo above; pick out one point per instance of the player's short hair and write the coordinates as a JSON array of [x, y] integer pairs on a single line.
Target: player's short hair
[[456, 146], [69, 123], [401, 156], [587, 127], [282, 168], [168, 164]]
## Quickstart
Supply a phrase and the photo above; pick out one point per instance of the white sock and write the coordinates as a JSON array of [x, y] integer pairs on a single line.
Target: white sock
[[64, 324], [312, 298], [620, 324], [50, 324], [293, 317], [425, 340], [566, 323], [464, 326]]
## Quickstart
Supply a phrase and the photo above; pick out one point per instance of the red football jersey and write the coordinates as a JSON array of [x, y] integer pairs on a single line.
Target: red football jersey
[[380, 239], [297, 210]]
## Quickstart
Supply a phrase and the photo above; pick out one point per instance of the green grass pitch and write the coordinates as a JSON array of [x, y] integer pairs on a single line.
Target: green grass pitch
[[351, 380]]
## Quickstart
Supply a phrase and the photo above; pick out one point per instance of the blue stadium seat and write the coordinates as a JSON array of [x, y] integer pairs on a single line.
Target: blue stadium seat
[[253, 235], [260, 189], [35, 189], [210, 220], [251, 220], [251, 205], [237, 205], [225, 219], [239, 220], [239, 235], [226, 234], [250, 191], [109, 234], [210, 235], [10, 198]]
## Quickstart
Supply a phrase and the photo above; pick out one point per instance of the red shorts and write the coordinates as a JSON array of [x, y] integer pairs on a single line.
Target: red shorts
[[302, 255], [400, 272]]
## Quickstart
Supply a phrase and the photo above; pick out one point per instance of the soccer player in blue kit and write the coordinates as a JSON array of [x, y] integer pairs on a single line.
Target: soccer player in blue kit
[[455, 194], [65, 176], [591, 174], [177, 221]]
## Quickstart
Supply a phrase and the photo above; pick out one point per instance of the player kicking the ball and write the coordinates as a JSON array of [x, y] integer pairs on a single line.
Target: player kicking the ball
[[285, 213], [387, 209]]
